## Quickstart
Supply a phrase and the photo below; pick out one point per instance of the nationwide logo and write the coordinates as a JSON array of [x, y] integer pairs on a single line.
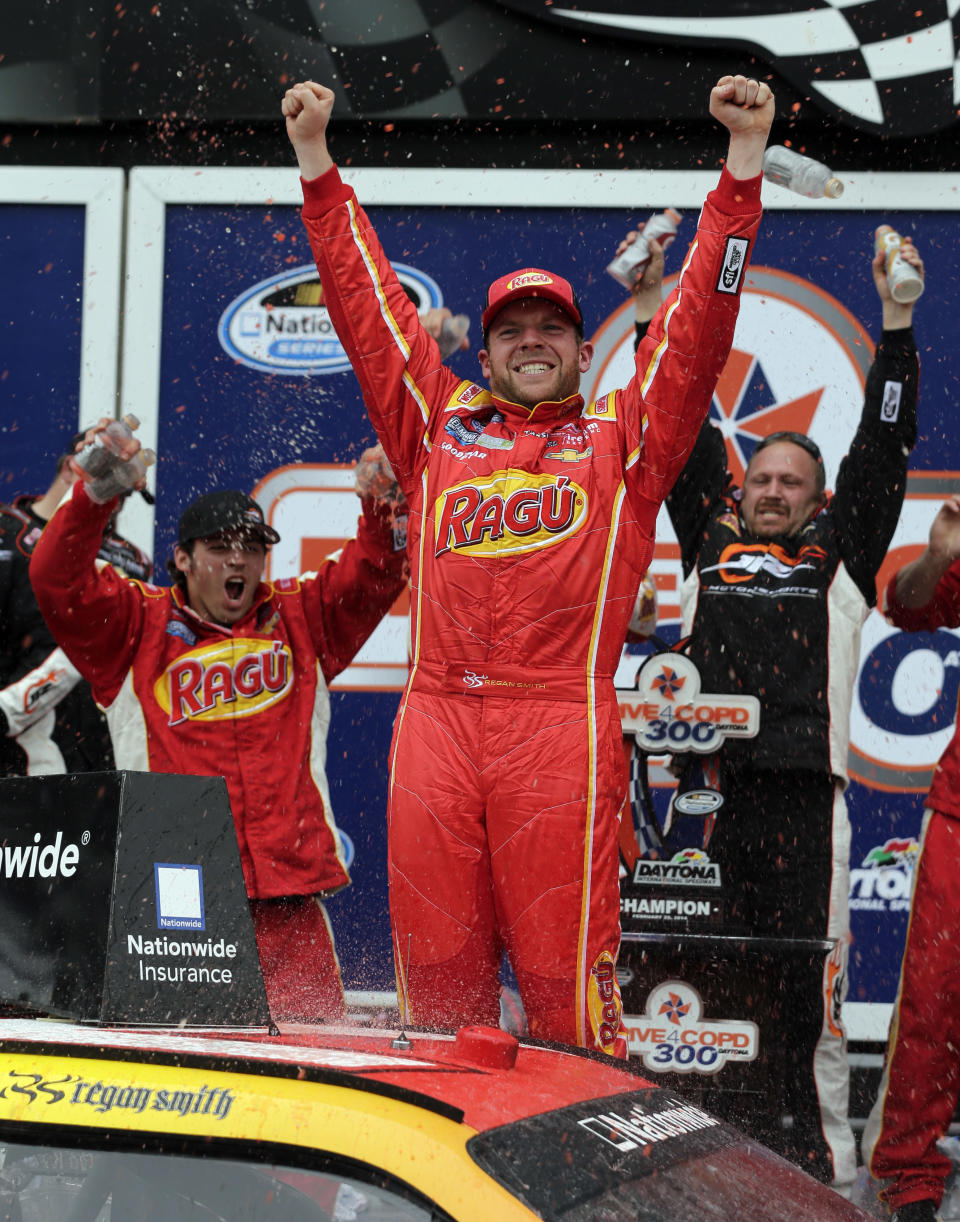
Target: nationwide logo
[[638, 1129], [472, 433], [673, 1037], [239, 677], [508, 513], [179, 892], [885, 877], [41, 860], [347, 848], [879, 65], [283, 325]]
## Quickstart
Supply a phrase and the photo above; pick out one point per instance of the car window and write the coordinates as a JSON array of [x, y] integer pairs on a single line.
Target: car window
[[55, 1184], [648, 1156]]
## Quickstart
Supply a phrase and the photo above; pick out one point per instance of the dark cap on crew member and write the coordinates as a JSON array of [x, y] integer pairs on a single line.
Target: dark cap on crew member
[[217, 513], [531, 282]]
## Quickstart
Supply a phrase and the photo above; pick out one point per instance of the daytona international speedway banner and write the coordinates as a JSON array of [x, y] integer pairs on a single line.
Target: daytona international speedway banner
[[230, 361]]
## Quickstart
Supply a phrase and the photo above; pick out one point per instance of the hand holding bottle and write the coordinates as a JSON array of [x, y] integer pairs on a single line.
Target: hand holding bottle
[[904, 275], [110, 460], [448, 329], [374, 477], [897, 310], [634, 252]]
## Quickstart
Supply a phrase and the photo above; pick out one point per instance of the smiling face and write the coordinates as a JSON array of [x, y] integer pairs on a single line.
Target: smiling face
[[222, 574], [781, 490], [534, 353]]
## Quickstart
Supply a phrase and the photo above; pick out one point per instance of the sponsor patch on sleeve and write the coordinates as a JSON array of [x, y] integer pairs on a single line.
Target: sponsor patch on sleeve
[[890, 403], [468, 393], [734, 261]]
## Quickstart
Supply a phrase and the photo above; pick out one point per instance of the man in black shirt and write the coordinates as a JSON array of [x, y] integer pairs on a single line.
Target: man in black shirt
[[778, 580]]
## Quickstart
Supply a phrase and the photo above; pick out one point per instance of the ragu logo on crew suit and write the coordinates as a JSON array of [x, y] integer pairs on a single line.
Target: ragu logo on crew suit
[[508, 513], [741, 562], [239, 677]]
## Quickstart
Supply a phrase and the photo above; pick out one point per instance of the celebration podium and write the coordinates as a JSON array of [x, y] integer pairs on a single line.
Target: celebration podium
[[712, 1011], [716, 1017], [122, 900]]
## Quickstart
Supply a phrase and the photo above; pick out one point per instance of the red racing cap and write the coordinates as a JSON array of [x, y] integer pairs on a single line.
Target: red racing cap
[[531, 282]]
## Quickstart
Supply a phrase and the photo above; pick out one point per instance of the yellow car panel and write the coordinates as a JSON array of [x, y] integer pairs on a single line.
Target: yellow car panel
[[420, 1147]]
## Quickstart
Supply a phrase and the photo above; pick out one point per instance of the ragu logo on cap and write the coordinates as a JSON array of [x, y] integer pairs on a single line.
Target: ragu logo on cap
[[522, 282]]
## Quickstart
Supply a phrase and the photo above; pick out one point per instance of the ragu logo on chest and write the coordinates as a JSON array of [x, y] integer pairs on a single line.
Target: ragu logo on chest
[[508, 513], [233, 678]]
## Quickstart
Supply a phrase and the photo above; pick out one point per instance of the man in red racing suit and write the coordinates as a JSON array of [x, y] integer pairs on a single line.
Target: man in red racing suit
[[531, 523], [226, 675], [921, 1078]]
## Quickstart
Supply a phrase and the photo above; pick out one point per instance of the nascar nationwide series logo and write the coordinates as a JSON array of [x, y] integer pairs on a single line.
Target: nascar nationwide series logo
[[672, 1036], [282, 325], [508, 513]]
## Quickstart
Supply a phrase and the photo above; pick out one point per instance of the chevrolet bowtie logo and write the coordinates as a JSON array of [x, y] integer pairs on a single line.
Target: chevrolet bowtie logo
[[568, 454]]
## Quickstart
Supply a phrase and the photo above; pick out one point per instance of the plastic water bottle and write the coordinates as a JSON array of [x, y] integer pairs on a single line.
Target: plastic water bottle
[[451, 334], [628, 266], [906, 283], [800, 174], [101, 463]]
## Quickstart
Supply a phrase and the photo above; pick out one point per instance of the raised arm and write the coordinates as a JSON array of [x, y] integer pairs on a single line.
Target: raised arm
[[94, 614], [396, 361], [686, 345], [872, 479]]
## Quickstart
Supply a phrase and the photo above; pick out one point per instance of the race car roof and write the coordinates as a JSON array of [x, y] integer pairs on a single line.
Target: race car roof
[[455, 1075]]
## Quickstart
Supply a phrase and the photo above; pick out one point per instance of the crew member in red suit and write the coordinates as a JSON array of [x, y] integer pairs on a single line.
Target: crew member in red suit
[[224, 674], [921, 1078]]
